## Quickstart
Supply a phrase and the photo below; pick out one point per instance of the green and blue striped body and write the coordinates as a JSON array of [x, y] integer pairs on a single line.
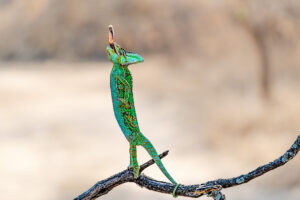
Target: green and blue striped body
[[123, 112]]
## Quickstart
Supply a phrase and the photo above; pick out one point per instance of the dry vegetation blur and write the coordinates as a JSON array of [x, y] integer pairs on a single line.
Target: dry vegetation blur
[[219, 88]]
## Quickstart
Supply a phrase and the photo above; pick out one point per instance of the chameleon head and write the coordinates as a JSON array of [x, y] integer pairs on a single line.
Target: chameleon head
[[117, 54]]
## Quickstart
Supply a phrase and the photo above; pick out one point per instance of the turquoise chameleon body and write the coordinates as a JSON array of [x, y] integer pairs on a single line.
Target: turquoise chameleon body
[[123, 104]]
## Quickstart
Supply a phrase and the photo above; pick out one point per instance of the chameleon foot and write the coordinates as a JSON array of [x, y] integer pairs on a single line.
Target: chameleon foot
[[136, 171], [174, 191]]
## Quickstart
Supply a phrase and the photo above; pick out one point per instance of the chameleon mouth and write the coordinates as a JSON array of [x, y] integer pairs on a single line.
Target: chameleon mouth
[[111, 38], [110, 34]]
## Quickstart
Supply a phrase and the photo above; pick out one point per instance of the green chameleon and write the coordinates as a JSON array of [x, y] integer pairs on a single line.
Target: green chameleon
[[122, 97]]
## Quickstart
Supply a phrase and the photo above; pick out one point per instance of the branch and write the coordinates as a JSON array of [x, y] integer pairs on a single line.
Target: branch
[[210, 188]]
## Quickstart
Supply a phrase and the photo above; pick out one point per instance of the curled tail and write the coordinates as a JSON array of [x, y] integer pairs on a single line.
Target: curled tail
[[151, 150]]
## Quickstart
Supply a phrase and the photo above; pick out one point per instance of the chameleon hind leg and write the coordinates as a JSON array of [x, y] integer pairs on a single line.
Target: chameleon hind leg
[[133, 161]]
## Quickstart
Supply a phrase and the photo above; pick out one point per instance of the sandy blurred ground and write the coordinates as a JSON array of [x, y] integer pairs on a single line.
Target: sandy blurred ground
[[197, 94], [58, 135]]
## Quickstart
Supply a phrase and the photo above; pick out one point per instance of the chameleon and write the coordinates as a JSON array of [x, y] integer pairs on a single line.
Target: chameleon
[[123, 105]]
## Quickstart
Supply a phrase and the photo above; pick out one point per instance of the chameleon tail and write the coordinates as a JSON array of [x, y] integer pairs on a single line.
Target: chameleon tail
[[151, 150]]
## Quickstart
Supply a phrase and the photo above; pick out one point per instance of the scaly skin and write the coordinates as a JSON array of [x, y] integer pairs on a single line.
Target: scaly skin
[[122, 97]]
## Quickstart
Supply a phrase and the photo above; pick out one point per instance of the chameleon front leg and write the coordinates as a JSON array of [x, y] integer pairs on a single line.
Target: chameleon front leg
[[133, 160]]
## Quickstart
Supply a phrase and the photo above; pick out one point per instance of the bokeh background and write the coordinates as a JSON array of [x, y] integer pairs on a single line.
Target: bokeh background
[[219, 88]]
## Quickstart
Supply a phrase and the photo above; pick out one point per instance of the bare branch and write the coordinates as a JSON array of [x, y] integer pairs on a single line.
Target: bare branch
[[210, 188], [104, 186], [289, 154]]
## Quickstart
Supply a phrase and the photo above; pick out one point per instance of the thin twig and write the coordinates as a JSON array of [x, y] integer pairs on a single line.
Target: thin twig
[[151, 162], [210, 188]]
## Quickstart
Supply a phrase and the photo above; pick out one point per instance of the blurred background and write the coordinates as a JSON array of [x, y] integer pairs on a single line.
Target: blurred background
[[219, 88]]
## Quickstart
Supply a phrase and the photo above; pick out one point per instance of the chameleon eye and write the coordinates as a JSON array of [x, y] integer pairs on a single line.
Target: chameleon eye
[[122, 52]]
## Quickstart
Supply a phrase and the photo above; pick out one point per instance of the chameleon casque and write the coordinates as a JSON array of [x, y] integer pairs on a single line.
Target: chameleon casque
[[123, 104]]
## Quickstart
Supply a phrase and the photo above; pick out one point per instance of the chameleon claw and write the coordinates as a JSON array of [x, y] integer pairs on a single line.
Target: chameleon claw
[[174, 191], [130, 166]]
